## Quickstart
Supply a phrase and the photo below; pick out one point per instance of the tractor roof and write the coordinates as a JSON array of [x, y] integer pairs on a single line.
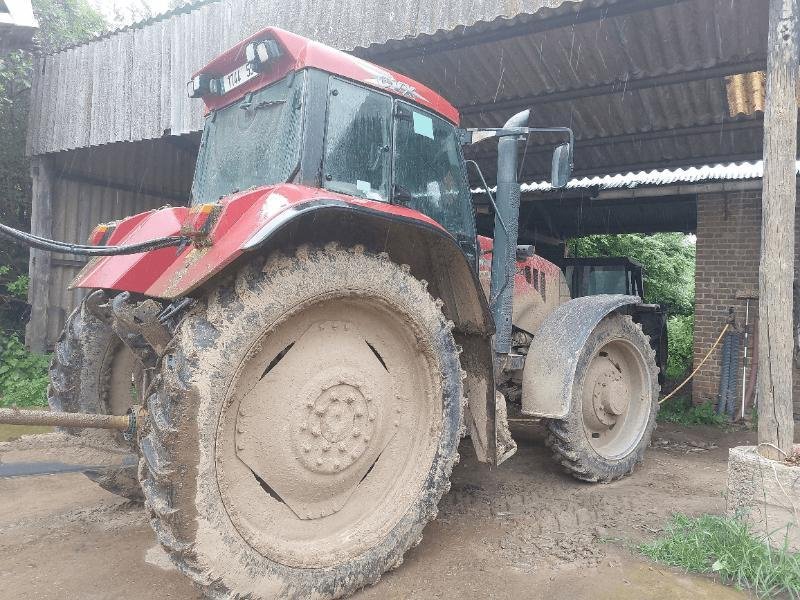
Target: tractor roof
[[299, 52]]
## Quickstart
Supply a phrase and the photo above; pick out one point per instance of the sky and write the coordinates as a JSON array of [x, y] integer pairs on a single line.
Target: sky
[[124, 12]]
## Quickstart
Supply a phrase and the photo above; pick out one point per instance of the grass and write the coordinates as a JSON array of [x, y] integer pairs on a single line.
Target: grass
[[726, 547], [680, 410]]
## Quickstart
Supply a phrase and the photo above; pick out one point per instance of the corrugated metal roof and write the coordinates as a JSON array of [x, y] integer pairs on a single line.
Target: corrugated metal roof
[[641, 82], [131, 84], [608, 80], [704, 174]]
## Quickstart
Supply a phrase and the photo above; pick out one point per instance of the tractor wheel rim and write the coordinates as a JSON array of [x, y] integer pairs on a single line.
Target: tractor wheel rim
[[615, 399], [330, 431]]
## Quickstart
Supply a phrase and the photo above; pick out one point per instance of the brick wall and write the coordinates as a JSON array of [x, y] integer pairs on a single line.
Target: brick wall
[[728, 246]]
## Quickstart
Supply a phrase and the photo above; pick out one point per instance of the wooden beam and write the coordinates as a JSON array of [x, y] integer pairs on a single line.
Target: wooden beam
[[40, 262], [775, 340]]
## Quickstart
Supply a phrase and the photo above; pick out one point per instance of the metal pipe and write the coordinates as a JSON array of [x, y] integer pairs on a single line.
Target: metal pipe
[[504, 251], [17, 416]]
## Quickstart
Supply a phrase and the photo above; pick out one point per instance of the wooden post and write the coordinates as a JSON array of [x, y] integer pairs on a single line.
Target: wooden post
[[775, 421], [39, 262]]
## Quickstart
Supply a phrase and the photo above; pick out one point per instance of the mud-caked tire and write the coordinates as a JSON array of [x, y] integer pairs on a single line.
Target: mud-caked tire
[[613, 406], [88, 373], [301, 374]]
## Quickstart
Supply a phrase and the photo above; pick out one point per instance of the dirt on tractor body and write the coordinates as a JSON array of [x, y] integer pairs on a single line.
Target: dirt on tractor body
[[500, 533]]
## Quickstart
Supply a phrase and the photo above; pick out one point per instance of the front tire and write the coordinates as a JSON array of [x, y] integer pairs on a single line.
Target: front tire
[[613, 405], [92, 371], [304, 427]]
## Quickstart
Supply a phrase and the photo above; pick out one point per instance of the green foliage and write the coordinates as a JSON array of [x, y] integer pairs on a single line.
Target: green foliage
[[62, 23], [726, 546], [680, 410], [23, 374], [668, 260], [680, 332], [65, 22]]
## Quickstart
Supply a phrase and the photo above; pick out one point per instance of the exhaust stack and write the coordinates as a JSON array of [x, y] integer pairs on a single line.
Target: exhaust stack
[[506, 231]]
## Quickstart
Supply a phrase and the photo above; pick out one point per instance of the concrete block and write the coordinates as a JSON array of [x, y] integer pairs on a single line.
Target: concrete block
[[767, 493]]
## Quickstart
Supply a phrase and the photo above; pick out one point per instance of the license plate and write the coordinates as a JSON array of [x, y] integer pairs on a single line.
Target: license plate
[[238, 77]]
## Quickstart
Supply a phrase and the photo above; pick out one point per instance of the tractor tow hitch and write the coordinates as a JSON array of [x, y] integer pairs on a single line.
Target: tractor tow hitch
[[124, 423]]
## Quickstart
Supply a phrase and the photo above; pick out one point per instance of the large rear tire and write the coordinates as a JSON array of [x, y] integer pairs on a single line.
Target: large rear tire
[[304, 426], [92, 371], [613, 406]]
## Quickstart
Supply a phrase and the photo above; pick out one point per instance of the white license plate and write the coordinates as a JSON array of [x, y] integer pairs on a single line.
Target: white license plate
[[238, 77]]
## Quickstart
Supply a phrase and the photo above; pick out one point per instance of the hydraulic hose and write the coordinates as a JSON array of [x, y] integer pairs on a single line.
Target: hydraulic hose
[[40, 243]]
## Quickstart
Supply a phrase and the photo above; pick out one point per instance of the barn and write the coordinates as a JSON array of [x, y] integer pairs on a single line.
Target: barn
[[666, 98]]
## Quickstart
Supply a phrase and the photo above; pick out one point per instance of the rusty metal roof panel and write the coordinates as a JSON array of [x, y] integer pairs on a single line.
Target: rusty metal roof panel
[[746, 93]]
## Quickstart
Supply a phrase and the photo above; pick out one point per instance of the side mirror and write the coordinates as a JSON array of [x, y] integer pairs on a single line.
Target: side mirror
[[562, 165]]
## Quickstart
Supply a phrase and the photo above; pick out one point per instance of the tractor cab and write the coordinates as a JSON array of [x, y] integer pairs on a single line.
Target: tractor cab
[[603, 275], [290, 110]]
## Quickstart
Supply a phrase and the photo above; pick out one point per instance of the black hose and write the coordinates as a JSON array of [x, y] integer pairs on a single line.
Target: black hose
[[40, 243]]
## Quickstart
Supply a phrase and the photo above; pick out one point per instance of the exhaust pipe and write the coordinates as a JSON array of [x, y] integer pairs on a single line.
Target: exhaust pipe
[[506, 231]]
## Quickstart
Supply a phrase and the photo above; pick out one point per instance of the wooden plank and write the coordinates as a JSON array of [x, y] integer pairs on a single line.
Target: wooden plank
[[39, 263], [775, 420]]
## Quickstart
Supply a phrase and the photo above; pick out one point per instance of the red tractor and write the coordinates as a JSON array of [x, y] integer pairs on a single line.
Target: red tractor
[[304, 366]]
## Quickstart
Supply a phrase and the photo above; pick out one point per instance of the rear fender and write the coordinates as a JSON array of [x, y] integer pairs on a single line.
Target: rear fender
[[553, 355], [432, 255]]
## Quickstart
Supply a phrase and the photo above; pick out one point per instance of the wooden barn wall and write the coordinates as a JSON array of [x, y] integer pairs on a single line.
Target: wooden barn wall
[[105, 184]]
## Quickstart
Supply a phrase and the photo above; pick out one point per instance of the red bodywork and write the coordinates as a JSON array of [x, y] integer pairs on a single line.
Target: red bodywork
[[300, 53], [526, 271], [169, 273]]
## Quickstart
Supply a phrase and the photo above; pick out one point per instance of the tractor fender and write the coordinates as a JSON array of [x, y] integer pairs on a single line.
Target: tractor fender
[[552, 359]]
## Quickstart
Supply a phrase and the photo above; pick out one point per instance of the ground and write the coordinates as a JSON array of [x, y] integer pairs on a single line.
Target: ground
[[500, 533]]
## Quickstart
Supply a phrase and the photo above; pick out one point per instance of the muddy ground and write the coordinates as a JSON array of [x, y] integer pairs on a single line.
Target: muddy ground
[[523, 530]]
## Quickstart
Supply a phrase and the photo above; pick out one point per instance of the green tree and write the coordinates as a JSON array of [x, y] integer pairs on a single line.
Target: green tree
[[62, 23], [668, 260]]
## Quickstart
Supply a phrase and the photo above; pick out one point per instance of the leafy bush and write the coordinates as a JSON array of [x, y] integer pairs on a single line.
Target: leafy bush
[[726, 546], [23, 374], [680, 410], [680, 331]]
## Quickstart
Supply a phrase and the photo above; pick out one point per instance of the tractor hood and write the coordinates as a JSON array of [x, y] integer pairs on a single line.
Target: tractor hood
[[221, 233]]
